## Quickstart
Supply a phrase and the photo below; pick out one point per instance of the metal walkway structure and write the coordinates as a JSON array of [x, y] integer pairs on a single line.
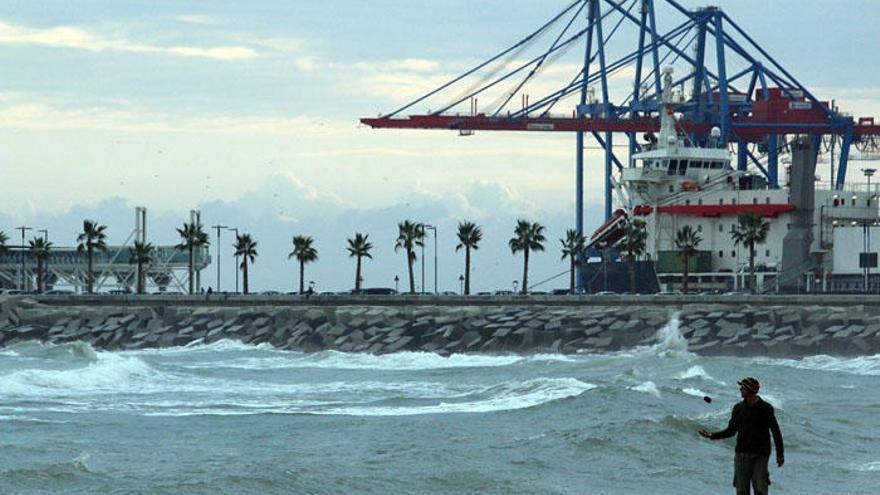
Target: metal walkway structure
[[66, 267], [611, 84]]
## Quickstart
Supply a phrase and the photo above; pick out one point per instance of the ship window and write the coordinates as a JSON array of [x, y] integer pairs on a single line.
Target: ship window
[[671, 188], [720, 254], [767, 200], [687, 202], [699, 201], [767, 253], [854, 201], [733, 201], [720, 227], [671, 167], [720, 201], [754, 201], [733, 254], [716, 165]]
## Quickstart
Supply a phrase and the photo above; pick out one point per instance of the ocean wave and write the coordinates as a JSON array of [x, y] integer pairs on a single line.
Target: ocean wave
[[647, 387], [44, 350], [869, 466], [694, 392], [109, 372], [862, 365], [698, 372], [499, 397], [400, 361]]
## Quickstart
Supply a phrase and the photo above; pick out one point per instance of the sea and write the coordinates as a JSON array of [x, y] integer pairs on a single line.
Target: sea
[[230, 418]]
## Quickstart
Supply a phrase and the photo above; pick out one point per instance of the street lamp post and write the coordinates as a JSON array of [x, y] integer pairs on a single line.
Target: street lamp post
[[218, 227], [23, 229], [235, 229], [461, 283], [396, 283], [515, 285]]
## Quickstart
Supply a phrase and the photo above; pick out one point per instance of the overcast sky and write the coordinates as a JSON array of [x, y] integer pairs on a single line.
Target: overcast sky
[[249, 111]]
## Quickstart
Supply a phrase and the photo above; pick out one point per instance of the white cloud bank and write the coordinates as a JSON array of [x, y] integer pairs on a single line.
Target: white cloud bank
[[78, 38]]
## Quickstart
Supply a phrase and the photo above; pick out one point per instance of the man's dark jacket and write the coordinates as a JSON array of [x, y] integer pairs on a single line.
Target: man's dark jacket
[[752, 426]]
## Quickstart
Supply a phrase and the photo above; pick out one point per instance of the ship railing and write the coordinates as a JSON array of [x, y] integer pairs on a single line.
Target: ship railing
[[785, 277]]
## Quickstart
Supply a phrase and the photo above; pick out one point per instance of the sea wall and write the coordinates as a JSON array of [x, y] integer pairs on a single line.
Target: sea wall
[[710, 328]]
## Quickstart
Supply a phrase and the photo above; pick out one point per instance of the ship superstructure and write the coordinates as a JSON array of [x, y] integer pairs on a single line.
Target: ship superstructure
[[672, 183]]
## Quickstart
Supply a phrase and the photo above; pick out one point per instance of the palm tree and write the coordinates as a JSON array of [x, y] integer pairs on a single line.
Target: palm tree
[[751, 230], [192, 237], [93, 238], [247, 249], [572, 246], [634, 246], [686, 242], [359, 247], [3, 239], [469, 237], [527, 237], [304, 253], [141, 254], [39, 248], [409, 236]]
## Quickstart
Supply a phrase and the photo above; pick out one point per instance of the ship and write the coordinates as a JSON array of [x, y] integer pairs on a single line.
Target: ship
[[819, 239]]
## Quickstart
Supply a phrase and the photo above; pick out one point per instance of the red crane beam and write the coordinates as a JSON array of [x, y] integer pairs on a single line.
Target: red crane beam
[[748, 128]]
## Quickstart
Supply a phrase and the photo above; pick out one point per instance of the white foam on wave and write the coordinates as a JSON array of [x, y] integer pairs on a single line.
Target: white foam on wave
[[108, 373], [502, 397], [648, 388], [697, 372], [694, 392], [862, 365], [870, 466], [199, 346], [400, 361]]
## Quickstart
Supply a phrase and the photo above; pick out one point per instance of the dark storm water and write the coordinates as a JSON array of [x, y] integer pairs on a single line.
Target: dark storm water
[[231, 418]]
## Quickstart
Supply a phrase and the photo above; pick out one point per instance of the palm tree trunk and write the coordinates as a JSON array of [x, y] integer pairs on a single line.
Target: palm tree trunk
[[752, 267], [244, 275], [302, 276], [632, 274], [412, 280], [467, 270], [39, 276], [525, 284], [140, 280], [357, 275], [684, 283], [571, 275], [190, 268], [89, 275]]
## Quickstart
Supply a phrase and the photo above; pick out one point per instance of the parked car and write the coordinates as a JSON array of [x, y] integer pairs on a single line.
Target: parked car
[[377, 291], [58, 292], [11, 292], [560, 292], [606, 293]]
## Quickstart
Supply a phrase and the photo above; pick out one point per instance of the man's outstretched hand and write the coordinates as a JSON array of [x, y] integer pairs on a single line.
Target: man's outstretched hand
[[705, 433], [780, 461]]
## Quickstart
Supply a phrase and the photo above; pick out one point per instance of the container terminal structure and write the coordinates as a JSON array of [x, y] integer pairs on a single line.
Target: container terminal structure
[[66, 268], [611, 53]]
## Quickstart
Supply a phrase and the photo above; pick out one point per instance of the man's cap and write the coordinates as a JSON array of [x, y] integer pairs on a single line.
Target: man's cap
[[750, 383]]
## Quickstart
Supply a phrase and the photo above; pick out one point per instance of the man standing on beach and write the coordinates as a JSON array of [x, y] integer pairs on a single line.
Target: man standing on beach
[[752, 420]]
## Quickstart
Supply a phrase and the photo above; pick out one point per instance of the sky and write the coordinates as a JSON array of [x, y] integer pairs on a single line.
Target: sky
[[248, 112]]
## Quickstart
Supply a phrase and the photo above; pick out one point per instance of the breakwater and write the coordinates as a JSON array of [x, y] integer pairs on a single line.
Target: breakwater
[[766, 326]]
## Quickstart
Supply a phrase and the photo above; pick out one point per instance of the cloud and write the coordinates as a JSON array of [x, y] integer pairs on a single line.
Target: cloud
[[36, 112], [198, 19], [78, 38]]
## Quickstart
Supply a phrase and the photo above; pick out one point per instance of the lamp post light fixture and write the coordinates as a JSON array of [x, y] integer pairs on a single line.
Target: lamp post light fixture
[[461, 283], [218, 227], [515, 285], [311, 286], [869, 172], [396, 283], [23, 229], [235, 229]]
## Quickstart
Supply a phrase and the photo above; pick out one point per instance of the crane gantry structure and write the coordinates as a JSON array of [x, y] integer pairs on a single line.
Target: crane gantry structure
[[727, 80]]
